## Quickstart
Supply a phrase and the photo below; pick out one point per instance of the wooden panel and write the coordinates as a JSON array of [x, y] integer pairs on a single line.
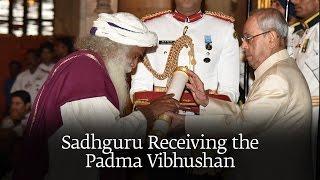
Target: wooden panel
[[67, 17]]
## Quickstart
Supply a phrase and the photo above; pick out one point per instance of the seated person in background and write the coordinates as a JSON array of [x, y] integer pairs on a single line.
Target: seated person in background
[[46, 57], [11, 131], [30, 80], [63, 46], [19, 112]]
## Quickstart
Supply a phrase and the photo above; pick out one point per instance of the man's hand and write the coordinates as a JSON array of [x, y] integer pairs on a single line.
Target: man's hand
[[197, 89], [164, 104], [159, 106]]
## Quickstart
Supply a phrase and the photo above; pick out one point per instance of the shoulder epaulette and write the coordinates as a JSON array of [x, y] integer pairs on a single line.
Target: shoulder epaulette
[[220, 15], [154, 15]]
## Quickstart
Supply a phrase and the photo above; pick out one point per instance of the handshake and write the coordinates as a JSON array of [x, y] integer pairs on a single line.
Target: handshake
[[168, 106]]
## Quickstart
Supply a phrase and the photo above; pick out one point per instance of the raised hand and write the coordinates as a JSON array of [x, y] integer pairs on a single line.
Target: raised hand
[[196, 87], [159, 106]]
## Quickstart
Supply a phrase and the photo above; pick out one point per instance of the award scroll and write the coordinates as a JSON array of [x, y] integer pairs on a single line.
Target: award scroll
[[179, 79]]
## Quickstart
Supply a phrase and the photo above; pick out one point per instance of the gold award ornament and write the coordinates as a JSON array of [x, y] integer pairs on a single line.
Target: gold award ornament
[[172, 61]]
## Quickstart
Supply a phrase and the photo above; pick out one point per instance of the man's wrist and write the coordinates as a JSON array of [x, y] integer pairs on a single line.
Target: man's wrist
[[149, 115]]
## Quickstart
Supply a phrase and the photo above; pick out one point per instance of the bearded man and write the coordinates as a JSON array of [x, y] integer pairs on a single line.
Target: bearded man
[[86, 93]]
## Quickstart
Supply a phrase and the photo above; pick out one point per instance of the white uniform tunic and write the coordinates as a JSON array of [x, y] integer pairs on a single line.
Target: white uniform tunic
[[30, 82], [218, 67], [295, 33], [46, 68], [307, 58]]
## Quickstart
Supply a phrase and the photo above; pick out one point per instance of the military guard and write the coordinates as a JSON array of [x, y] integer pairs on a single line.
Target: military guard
[[215, 56], [306, 54], [307, 58]]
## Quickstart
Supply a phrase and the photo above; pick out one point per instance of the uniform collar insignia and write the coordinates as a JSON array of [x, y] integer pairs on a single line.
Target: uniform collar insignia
[[306, 24], [154, 15], [312, 21], [297, 27], [183, 18]]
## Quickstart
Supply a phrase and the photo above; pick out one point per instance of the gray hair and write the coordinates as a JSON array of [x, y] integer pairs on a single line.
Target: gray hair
[[271, 19], [102, 46]]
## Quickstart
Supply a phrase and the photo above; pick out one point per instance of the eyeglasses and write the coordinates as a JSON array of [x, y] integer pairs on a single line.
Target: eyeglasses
[[247, 38]]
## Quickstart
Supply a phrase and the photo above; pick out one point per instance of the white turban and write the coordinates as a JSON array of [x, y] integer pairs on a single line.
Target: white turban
[[124, 28]]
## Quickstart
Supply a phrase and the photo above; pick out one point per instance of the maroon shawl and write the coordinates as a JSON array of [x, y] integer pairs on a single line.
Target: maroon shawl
[[80, 75]]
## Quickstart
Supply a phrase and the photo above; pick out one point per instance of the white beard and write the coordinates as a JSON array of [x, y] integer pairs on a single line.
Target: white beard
[[117, 69]]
